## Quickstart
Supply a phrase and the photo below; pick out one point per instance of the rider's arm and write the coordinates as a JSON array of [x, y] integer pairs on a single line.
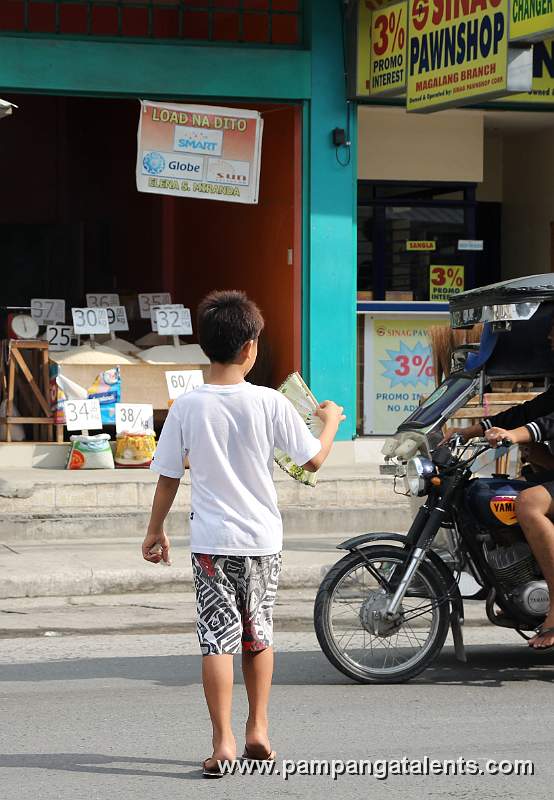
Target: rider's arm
[[525, 414]]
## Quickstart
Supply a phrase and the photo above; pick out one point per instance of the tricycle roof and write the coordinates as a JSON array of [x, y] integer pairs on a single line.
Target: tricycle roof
[[516, 299]]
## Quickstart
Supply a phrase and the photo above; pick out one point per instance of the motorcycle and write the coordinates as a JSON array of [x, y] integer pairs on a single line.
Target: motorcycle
[[383, 612]]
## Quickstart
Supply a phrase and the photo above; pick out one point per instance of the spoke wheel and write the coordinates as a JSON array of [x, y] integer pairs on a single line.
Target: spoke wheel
[[350, 627]]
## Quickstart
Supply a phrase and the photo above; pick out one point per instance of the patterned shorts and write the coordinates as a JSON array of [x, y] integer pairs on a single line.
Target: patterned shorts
[[234, 601]]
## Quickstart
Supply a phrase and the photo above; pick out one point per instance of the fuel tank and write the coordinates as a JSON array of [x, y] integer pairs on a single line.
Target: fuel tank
[[491, 501]]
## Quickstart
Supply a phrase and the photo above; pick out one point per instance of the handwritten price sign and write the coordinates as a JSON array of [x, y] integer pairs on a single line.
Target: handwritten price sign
[[445, 281], [387, 68]]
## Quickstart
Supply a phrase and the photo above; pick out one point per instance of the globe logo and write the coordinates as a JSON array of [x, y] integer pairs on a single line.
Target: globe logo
[[153, 163]]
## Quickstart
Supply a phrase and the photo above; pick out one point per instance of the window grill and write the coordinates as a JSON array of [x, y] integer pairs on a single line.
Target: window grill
[[277, 22]]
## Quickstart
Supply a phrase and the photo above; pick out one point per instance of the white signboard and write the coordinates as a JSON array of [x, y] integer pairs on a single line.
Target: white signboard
[[134, 417], [102, 300], [148, 299], [199, 152], [82, 415], [470, 244], [90, 320], [45, 311], [154, 311], [172, 320], [117, 318], [183, 381], [59, 336]]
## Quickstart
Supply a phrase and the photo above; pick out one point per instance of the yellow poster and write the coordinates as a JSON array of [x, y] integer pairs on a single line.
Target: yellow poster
[[457, 52], [542, 92], [531, 20], [388, 50], [420, 245], [445, 281], [398, 369]]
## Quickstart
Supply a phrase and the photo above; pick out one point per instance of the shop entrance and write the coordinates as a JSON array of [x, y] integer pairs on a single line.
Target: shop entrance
[[72, 221]]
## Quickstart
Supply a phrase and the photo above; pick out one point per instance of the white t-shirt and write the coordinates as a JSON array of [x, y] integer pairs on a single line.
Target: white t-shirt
[[229, 434]]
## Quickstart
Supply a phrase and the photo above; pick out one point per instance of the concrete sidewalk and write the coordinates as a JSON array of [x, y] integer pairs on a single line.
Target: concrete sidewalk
[[82, 567]]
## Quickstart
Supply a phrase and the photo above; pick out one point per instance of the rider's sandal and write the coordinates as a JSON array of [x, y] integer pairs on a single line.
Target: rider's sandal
[[542, 632], [258, 753], [213, 771]]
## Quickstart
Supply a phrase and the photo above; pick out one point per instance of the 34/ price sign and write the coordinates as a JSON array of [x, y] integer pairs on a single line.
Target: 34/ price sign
[[117, 318], [183, 381], [387, 67], [149, 299], [134, 417], [445, 281], [82, 414], [90, 320], [59, 336], [102, 300], [172, 320], [45, 311]]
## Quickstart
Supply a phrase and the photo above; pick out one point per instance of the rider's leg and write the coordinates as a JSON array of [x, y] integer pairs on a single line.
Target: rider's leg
[[534, 509]]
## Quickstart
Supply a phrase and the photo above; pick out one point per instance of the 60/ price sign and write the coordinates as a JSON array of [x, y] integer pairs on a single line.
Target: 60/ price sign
[[182, 381], [387, 67]]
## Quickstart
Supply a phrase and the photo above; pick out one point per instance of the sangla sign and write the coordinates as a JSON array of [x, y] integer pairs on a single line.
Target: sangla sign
[[458, 54], [531, 20]]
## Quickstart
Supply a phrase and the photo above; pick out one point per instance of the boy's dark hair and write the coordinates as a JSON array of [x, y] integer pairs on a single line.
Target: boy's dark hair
[[225, 322]]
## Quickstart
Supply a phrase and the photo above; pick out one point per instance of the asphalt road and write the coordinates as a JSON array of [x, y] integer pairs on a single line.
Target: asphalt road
[[123, 716]]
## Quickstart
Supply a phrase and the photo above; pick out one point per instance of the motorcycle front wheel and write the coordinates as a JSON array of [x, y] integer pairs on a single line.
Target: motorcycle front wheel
[[351, 631]]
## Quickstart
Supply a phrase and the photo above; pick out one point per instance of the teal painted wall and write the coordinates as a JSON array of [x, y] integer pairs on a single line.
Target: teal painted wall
[[133, 69], [330, 270]]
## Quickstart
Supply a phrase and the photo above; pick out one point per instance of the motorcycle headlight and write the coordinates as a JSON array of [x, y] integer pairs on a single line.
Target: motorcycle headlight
[[418, 473]]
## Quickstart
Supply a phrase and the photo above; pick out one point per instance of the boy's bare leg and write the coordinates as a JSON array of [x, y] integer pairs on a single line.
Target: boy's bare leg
[[257, 668], [217, 677]]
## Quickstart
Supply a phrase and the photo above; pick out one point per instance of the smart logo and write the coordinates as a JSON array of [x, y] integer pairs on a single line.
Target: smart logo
[[197, 140], [153, 163]]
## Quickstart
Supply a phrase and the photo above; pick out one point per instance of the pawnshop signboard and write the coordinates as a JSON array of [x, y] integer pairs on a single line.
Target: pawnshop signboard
[[387, 63], [458, 53], [203, 152]]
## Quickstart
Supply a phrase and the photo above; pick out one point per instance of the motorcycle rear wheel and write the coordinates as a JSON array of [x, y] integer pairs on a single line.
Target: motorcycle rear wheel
[[339, 614]]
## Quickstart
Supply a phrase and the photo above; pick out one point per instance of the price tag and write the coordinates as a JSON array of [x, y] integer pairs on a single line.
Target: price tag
[[117, 318], [172, 320], [82, 415], [102, 300], [45, 311], [59, 336], [183, 381], [133, 417], [90, 320], [154, 311], [149, 299]]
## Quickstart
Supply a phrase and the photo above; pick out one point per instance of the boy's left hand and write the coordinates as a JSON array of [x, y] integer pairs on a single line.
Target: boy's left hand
[[155, 547]]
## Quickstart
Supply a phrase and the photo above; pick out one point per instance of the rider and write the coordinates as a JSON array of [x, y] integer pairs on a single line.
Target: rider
[[530, 424]]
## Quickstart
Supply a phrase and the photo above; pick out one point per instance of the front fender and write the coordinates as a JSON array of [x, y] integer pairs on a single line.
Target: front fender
[[357, 541]]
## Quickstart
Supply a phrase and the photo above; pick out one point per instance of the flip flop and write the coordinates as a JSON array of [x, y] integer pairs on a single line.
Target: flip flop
[[258, 753], [215, 771], [542, 632]]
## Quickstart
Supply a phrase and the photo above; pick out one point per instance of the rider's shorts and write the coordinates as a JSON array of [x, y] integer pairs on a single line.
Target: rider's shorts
[[235, 596]]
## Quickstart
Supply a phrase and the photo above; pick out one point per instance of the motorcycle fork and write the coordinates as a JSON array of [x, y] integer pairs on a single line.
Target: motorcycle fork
[[421, 543]]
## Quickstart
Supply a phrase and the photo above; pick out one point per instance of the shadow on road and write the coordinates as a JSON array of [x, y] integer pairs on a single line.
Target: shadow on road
[[102, 764], [487, 666]]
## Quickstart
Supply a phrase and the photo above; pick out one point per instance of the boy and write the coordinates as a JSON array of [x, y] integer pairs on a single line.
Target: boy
[[228, 429]]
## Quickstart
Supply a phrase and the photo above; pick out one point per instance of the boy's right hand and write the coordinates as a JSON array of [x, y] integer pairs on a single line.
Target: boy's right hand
[[155, 547], [330, 412]]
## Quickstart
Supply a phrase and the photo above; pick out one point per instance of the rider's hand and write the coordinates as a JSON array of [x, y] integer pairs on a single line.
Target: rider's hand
[[495, 435], [466, 433]]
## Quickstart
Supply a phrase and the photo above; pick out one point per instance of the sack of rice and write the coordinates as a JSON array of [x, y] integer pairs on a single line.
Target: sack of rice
[[90, 452]]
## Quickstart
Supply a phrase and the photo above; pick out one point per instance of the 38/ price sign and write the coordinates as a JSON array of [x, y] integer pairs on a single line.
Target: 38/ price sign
[[44, 311], [102, 300], [58, 336], [149, 299], [172, 320], [82, 414], [445, 281], [387, 68], [134, 417], [90, 320], [183, 381]]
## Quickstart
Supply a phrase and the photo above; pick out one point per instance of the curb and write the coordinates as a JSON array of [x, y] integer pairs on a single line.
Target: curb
[[147, 579]]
